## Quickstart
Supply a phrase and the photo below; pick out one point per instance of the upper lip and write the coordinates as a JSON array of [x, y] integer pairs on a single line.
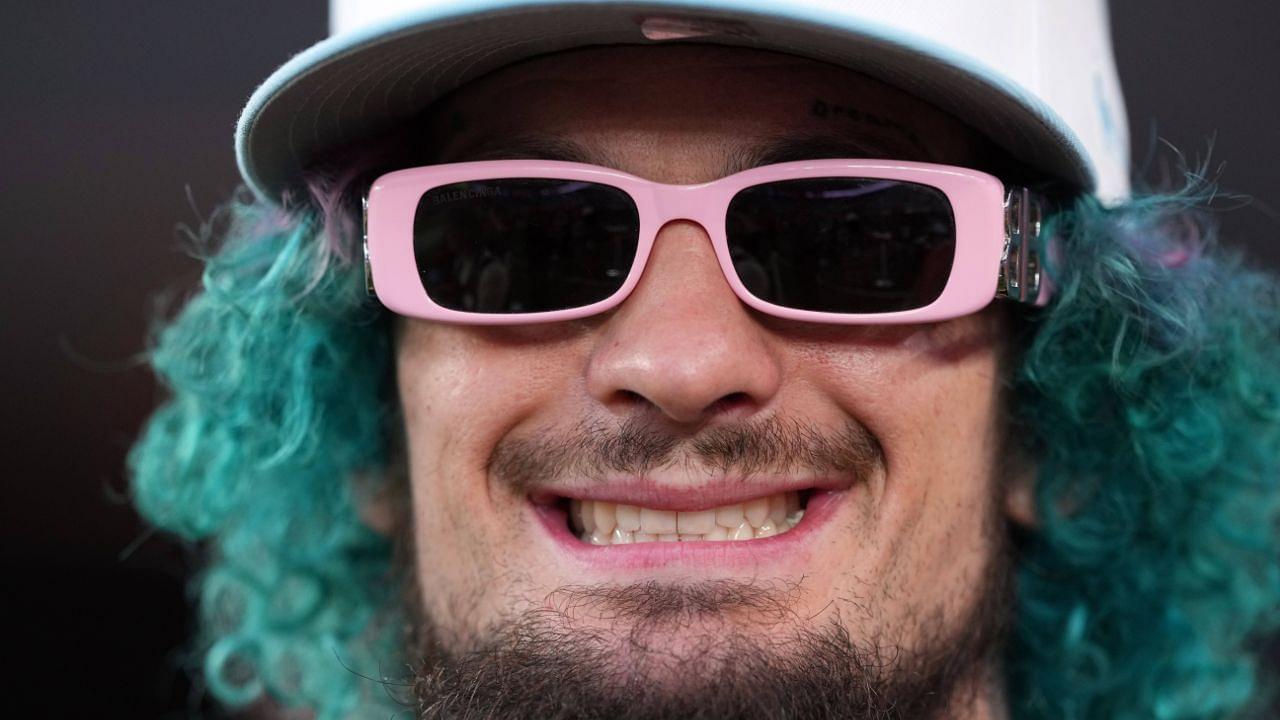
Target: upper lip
[[702, 494]]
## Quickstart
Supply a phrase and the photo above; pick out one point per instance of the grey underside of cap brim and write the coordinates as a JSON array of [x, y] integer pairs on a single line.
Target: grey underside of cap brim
[[366, 88]]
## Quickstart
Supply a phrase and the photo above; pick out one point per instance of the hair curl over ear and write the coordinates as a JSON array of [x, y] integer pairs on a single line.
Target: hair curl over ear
[[1151, 395]]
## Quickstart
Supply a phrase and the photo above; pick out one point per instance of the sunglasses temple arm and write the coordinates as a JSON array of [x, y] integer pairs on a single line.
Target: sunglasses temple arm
[[364, 246], [1021, 275]]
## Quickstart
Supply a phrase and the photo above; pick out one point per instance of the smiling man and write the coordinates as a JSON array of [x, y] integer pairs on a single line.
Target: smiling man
[[724, 362], [773, 494]]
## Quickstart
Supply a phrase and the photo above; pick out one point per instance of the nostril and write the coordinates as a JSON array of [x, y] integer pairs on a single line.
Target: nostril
[[629, 397], [629, 402], [733, 402]]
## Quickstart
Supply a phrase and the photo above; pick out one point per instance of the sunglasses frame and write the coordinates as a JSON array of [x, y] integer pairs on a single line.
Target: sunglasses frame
[[996, 253]]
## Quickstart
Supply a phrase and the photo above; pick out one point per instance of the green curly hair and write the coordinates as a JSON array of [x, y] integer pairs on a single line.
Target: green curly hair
[[1146, 392]]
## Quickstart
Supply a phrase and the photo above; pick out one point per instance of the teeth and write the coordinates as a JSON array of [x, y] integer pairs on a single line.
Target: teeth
[[657, 522], [628, 517], [777, 510], [793, 504], [696, 523], [606, 517], [729, 516], [756, 511], [604, 523]]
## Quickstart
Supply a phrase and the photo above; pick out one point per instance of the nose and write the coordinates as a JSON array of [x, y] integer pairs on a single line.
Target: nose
[[682, 342]]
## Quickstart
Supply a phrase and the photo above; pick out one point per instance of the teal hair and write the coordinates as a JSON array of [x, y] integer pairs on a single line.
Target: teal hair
[[280, 376], [1147, 393], [1151, 394]]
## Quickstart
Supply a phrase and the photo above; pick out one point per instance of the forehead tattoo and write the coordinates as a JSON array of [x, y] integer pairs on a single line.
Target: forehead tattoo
[[838, 113]]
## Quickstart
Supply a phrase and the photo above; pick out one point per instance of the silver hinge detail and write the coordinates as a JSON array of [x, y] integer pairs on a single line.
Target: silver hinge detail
[[1020, 261], [364, 240]]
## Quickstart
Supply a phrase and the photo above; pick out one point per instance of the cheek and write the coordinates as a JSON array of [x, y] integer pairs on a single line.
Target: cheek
[[461, 390], [930, 395], [946, 390], [940, 488]]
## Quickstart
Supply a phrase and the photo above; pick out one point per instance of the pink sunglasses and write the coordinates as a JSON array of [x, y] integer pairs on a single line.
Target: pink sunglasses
[[832, 241]]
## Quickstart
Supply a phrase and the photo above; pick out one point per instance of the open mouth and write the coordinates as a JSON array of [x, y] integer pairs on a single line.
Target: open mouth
[[599, 522]]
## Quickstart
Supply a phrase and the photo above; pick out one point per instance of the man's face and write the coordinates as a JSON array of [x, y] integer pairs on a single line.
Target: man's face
[[684, 404]]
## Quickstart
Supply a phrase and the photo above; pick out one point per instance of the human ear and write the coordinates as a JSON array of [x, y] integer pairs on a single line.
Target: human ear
[[1020, 495], [378, 503], [377, 516]]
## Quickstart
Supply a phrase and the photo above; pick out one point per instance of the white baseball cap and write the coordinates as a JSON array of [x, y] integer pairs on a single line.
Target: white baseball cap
[[1035, 76]]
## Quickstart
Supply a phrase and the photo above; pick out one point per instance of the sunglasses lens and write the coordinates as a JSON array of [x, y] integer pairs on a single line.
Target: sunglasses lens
[[524, 245], [842, 245]]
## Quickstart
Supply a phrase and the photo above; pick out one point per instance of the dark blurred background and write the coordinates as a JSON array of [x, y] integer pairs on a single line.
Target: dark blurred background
[[117, 120]]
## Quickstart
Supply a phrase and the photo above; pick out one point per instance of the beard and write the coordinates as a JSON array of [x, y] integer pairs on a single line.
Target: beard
[[531, 666], [708, 649]]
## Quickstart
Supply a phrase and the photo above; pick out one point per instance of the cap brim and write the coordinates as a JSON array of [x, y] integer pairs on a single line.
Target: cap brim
[[353, 85]]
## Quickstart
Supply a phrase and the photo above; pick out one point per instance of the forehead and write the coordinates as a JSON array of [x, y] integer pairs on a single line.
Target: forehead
[[688, 113]]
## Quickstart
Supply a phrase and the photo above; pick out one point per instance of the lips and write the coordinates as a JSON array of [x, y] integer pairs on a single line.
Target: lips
[[780, 515]]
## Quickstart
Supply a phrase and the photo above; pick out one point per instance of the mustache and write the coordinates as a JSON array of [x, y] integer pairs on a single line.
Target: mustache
[[637, 445]]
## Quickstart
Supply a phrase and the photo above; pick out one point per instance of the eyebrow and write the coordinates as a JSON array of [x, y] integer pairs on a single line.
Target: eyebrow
[[818, 146], [777, 149]]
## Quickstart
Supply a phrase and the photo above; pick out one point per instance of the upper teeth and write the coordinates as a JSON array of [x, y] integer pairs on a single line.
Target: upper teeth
[[604, 523]]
